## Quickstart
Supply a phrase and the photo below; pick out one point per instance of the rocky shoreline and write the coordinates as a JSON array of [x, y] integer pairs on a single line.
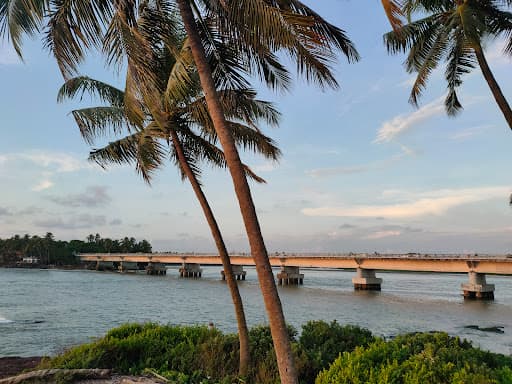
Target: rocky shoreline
[[14, 365]]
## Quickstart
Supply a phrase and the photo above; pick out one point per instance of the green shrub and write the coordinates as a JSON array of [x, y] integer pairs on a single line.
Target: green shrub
[[190, 355], [322, 343], [197, 352], [263, 357], [434, 358]]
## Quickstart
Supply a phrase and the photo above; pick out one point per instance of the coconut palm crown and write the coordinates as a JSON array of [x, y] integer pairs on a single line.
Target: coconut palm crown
[[453, 31]]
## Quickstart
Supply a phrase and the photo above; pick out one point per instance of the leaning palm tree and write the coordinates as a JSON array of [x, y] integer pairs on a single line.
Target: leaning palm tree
[[172, 124], [257, 30], [453, 30]]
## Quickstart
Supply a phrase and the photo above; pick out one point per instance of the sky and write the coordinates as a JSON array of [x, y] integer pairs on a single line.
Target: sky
[[362, 170]]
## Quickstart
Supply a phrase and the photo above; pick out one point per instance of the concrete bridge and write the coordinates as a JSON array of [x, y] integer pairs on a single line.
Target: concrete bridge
[[365, 265]]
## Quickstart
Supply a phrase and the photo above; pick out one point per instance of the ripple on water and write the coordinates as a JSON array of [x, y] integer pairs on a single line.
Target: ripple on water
[[53, 310]]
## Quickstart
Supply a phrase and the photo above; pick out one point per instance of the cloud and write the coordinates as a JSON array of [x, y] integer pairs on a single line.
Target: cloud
[[376, 165], [61, 162], [382, 234], [53, 161], [76, 222], [325, 172], [399, 124], [5, 212], [116, 222], [94, 196], [426, 203], [468, 133], [407, 83], [45, 184], [268, 166], [494, 53], [28, 211]]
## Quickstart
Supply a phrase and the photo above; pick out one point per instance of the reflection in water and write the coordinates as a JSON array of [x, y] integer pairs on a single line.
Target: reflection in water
[[52, 310]]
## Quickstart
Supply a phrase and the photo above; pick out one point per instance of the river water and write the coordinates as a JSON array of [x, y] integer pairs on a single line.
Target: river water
[[42, 312]]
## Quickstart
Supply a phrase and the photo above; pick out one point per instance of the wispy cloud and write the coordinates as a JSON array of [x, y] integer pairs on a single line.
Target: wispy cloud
[[426, 203], [399, 124], [468, 133], [5, 212], [494, 53], [353, 169], [268, 166], [76, 222], [54, 161], [43, 185], [382, 234], [95, 196]]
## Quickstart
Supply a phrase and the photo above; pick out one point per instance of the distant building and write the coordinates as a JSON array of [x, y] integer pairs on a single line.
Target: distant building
[[30, 260]]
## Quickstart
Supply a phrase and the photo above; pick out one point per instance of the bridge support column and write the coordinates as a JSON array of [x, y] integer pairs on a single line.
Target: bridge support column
[[155, 269], [190, 270], [477, 288], [125, 266], [290, 276], [238, 271], [366, 280]]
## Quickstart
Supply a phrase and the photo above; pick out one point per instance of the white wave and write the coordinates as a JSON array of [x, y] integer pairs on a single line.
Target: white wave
[[3, 320]]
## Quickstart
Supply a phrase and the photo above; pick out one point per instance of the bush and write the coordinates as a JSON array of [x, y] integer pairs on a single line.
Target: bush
[[263, 357], [419, 358], [197, 352], [189, 355], [322, 343]]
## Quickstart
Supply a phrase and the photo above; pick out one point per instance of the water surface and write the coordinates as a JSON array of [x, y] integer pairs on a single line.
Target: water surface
[[42, 312]]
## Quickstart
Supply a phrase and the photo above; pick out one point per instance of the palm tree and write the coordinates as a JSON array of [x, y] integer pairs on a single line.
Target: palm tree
[[454, 31], [172, 123], [256, 30], [258, 27]]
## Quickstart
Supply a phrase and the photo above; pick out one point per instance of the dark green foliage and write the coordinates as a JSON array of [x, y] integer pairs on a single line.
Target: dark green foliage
[[57, 252], [264, 369], [322, 343], [197, 354], [434, 358]]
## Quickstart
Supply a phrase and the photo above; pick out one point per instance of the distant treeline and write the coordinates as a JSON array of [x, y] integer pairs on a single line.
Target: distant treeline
[[58, 252]]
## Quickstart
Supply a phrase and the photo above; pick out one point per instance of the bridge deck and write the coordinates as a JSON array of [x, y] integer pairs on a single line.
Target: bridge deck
[[490, 264]]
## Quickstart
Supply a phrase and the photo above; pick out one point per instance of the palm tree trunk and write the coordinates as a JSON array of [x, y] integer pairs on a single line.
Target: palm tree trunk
[[493, 85], [243, 332], [282, 345]]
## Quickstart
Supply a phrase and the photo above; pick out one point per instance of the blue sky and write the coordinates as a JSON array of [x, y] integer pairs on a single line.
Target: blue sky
[[362, 170]]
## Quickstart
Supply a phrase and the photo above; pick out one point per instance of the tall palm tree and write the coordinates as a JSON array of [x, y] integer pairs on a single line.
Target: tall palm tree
[[453, 30], [173, 124], [259, 27], [257, 30]]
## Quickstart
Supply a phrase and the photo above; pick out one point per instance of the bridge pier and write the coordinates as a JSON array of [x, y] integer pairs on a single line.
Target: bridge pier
[[238, 272], [104, 265], [477, 288], [156, 269], [290, 275], [125, 266], [366, 280], [190, 270]]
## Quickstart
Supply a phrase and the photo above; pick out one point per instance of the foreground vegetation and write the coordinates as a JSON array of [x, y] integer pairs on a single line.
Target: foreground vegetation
[[325, 352]]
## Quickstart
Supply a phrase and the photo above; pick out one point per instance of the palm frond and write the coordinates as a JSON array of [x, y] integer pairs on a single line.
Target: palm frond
[[19, 18], [73, 28], [100, 122], [461, 60], [394, 13], [79, 86], [140, 149]]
